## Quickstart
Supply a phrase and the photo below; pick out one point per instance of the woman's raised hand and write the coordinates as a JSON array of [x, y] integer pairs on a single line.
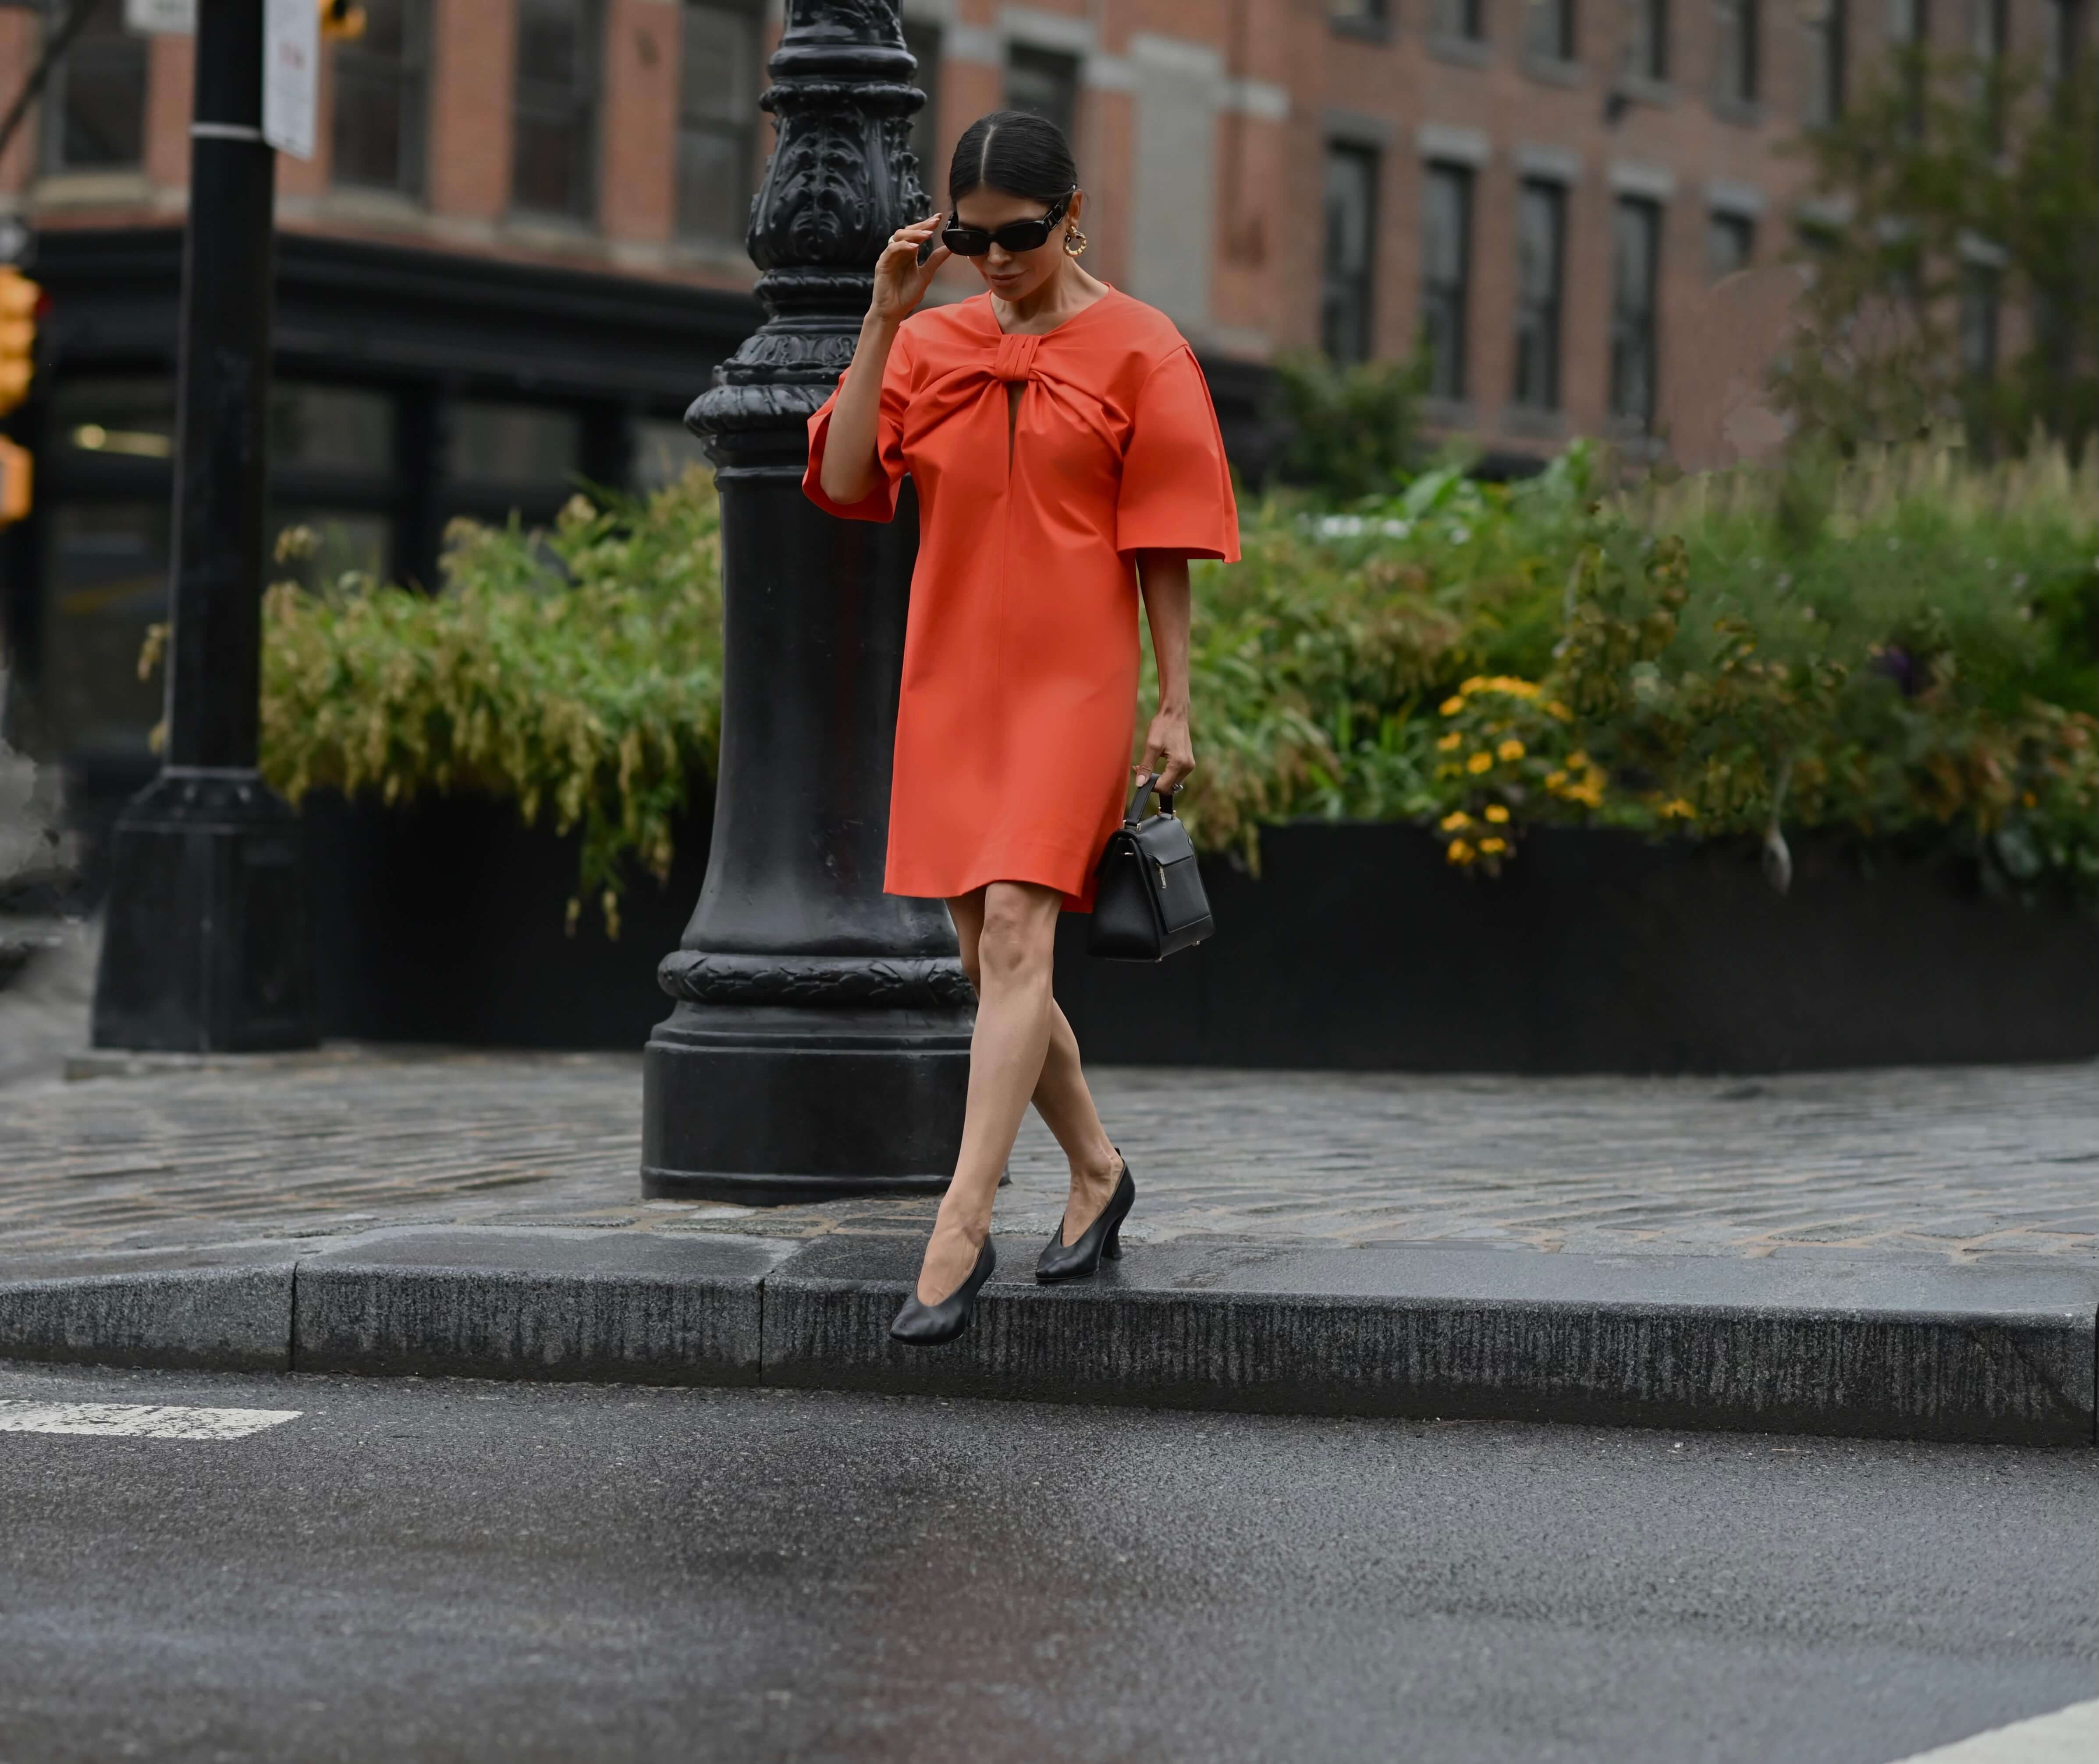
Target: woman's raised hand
[[900, 280]]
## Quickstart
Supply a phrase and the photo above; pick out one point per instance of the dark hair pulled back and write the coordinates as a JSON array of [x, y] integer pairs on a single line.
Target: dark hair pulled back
[[1015, 151]]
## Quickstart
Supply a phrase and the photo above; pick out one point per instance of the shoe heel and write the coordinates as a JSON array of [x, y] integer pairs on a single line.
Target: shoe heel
[[1111, 1245]]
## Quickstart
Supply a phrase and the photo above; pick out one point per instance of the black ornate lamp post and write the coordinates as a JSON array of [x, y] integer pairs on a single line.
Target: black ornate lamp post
[[206, 946], [819, 1044]]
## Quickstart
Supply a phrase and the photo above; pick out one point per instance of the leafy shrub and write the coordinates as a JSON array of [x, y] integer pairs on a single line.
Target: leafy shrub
[[1904, 645], [1348, 431], [576, 671]]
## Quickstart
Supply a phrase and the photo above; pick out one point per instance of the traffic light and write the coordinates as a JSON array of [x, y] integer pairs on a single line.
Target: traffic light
[[342, 19], [15, 482], [20, 299]]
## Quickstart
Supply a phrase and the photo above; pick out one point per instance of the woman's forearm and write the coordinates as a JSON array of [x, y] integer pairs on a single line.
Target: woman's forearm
[[1167, 604], [851, 468]]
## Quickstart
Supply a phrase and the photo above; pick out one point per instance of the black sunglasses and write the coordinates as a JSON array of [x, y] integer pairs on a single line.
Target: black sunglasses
[[1016, 235]]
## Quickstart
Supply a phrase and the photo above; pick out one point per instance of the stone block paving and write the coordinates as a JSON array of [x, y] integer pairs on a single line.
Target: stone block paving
[[1963, 1163]]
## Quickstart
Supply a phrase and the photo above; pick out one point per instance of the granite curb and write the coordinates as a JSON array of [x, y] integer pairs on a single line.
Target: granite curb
[[1994, 1352]]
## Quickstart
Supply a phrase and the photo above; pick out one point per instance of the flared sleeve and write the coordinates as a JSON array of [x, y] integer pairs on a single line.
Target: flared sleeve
[[1176, 487], [880, 502]]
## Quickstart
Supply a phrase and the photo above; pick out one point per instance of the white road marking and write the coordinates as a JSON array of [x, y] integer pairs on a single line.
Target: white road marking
[[138, 1421], [2069, 1736]]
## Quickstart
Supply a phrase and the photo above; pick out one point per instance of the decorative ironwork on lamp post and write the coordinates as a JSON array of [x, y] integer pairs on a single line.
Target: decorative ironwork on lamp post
[[820, 1042]]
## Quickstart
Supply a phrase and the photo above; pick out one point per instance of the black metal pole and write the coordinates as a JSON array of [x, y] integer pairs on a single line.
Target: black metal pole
[[206, 945], [820, 1043]]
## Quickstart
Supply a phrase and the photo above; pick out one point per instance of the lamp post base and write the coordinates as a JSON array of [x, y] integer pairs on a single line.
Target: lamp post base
[[771, 1104], [206, 948]]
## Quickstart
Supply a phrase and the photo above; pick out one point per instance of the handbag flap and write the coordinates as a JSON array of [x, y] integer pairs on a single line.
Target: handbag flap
[[1164, 839]]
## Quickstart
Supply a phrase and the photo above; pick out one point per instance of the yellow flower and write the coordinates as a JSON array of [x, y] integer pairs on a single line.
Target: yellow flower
[[1677, 808], [1453, 740], [1474, 683], [1510, 749], [1577, 762], [1457, 818], [1493, 847], [1555, 781], [1560, 711], [1459, 852], [1452, 706], [1480, 763], [1496, 813]]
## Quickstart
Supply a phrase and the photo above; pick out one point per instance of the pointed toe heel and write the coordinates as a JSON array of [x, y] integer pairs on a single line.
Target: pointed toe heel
[[1101, 1241], [921, 1324]]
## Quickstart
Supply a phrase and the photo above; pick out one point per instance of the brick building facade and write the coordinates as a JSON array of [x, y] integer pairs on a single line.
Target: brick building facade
[[517, 251]]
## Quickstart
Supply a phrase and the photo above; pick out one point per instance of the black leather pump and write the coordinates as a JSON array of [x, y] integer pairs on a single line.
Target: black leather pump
[[1060, 1260], [920, 1325]]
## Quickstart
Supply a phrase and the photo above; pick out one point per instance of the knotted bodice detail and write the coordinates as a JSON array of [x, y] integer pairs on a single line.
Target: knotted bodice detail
[[1015, 358]]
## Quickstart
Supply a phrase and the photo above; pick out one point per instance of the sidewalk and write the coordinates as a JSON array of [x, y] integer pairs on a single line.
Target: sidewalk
[[1912, 1251]]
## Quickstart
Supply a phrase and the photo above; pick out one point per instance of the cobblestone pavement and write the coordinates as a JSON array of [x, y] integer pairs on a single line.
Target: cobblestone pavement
[[1960, 1162]]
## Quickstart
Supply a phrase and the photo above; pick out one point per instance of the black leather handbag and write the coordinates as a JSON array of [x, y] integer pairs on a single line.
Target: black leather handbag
[[1148, 899]]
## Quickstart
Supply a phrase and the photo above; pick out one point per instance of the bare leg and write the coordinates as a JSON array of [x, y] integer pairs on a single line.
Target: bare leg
[[1060, 1096], [1014, 941]]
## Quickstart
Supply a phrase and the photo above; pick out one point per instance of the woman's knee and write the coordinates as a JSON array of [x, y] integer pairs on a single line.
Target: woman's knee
[[1018, 937]]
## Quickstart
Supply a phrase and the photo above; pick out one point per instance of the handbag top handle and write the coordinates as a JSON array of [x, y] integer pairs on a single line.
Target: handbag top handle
[[1145, 781]]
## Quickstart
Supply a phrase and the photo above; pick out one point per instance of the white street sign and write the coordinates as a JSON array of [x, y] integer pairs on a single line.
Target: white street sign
[[160, 18], [291, 74]]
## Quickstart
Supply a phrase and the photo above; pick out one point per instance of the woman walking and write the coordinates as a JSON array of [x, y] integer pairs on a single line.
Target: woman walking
[[1062, 441]]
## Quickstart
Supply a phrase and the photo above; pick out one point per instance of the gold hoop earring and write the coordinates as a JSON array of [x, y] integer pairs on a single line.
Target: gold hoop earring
[[1075, 242]]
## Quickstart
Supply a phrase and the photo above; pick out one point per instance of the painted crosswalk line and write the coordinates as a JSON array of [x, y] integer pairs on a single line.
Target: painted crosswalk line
[[137, 1421], [2069, 1736]]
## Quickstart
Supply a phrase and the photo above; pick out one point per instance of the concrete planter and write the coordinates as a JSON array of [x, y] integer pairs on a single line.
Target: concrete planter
[[1356, 948]]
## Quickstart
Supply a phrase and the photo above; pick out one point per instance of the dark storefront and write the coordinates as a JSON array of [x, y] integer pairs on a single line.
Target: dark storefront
[[411, 388]]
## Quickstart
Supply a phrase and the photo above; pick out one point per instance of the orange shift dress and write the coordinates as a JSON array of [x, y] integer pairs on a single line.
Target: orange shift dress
[[1020, 655]]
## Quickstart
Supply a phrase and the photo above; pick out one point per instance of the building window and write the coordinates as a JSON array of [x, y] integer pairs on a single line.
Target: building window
[[1987, 26], [1635, 242], [1827, 22], [1909, 23], [1650, 45], [2064, 39], [1736, 51], [718, 78], [1979, 293], [923, 41], [1365, 16], [1548, 29], [1730, 242], [379, 101], [554, 161], [498, 443], [1446, 275], [97, 103], [1541, 252], [1345, 304], [1044, 82], [1463, 21], [663, 451]]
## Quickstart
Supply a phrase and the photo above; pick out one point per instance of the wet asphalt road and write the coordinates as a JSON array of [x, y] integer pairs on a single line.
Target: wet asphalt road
[[415, 1571]]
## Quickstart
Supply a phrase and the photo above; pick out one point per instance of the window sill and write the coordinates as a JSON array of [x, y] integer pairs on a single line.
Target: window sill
[[90, 189], [1368, 30], [1449, 413], [1744, 113], [1461, 51], [367, 202], [695, 254], [1553, 73], [1657, 94], [1529, 422], [550, 232]]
